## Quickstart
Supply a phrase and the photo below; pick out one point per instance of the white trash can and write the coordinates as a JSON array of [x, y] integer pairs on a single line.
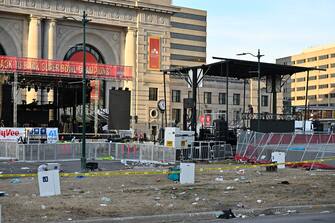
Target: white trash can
[[279, 157], [187, 173], [48, 181]]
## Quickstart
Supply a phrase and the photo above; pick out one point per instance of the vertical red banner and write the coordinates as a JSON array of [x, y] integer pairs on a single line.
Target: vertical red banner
[[95, 93], [208, 120], [154, 53]]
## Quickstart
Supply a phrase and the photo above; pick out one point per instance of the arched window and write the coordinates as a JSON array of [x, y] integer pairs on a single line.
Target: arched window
[[2, 50], [92, 54]]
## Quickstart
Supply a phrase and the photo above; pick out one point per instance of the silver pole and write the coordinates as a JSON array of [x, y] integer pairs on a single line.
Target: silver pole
[[96, 102], [15, 100]]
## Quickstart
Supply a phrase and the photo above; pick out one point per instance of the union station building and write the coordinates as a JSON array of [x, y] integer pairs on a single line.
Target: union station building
[[139, 38]]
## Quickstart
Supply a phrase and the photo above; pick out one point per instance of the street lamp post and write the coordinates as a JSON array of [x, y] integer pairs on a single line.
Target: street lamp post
[[259, 84], [84, 22]]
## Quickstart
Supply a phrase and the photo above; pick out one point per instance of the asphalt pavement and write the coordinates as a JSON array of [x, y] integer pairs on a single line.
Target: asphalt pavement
[[326, 217], [297, 218]]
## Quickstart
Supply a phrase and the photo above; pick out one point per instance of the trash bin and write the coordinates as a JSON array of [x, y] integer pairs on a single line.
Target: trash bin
[[175, 175], [48, 180], [187, 173]]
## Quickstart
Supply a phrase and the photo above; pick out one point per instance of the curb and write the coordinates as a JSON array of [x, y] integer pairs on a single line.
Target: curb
[[211, 215]]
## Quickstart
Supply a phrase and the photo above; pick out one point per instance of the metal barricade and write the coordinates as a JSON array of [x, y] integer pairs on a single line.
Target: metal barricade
[[94, 150], [258, 147], [8, 150], [205, 151]]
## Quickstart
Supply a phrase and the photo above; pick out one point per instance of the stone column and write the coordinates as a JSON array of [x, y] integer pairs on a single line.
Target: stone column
[[34, 49], [130, 60], [50, 40], [34, 37], [50, 44]]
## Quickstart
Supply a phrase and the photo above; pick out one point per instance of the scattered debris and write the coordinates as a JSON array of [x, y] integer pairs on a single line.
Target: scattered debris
[[220, 179], [197, 199], [271, 168], [241, 172], [259, 201], [240, 205], [194, 203], [285, 182], [243, 177], [124, 162], [182, 193], [230, 188], [241, 216], [106, 200], [92, 166], [226, 214], [15, 181]]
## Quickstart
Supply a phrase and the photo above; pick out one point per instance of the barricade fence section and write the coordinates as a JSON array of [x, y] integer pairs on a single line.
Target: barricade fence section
[[94, 150], [258, 147], [8, 150], [206, 150]]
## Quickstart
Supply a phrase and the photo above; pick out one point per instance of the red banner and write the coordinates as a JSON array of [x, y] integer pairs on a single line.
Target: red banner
[[154, 53], [63, 68], [205, 120]]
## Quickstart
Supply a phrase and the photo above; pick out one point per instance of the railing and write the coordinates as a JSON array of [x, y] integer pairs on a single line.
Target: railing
[[258, 147], [206, 151], [95, 150]]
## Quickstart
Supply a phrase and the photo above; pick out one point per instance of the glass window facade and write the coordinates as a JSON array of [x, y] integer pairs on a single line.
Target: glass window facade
[[153, 94], [187, 47], [188, 37], [222, 98], [176, 114], [208, 97], [175, 95], [323, 76], [190, 16], [236, 99], [265, 101], [323, 57], [323, 86], [188, 26]]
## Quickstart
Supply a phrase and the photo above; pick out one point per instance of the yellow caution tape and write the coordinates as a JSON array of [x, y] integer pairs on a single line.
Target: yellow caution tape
[[164, 172]]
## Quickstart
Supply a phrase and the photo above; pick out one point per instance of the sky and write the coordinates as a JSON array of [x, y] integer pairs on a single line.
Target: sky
[[278, 28]]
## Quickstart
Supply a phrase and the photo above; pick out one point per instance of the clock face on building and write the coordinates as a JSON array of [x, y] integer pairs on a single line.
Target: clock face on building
[[161, 105]]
